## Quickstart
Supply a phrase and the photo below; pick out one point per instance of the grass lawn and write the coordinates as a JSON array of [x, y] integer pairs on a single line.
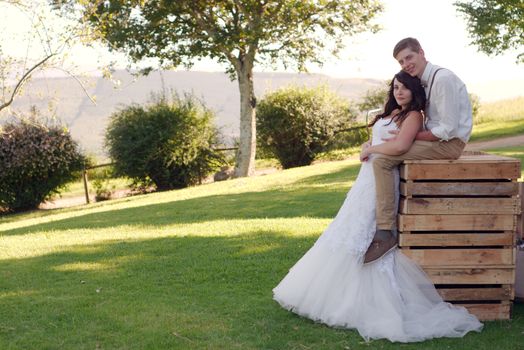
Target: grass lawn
[[76, 189], [186, 269], [495, 129], [499, 119], [514, 152]]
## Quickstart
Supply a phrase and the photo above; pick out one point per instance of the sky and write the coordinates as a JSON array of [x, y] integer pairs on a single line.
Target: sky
[[442, 33], [435, 23]]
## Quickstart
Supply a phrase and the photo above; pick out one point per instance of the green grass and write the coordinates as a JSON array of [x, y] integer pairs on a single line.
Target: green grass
[[76, 189], [508, 109], [187, 269], [499, 119], [496, 129], [514, 152]]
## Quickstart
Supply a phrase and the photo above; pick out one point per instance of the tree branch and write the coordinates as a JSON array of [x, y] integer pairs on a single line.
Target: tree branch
[[23, 80], [79, 83]]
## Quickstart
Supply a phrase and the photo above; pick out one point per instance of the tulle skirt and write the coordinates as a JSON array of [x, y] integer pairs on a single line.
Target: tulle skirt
[[391, 298]]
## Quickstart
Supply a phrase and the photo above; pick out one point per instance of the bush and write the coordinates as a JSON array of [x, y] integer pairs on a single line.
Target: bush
[[348, 138], [36, 161], [475, 107], [295, 124], [100, 178], [169, 143], [374, 98]]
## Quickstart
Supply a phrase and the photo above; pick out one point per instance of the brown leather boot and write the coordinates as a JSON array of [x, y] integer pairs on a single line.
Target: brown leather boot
[[383, 242]]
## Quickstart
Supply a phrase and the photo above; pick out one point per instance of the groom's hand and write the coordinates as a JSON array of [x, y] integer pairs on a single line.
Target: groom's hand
[[392, 132]]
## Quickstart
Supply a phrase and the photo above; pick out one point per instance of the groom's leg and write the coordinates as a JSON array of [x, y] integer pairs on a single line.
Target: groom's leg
[[384, 166], [386, 214]]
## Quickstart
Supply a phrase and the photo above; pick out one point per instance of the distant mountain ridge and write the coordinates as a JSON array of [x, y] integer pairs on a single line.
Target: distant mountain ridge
[[88, 121]]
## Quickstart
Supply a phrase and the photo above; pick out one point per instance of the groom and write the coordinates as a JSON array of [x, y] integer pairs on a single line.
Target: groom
[[448, 127]]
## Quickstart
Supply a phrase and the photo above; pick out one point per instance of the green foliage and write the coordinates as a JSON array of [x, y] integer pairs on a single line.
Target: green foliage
[[495, 26], [237, 33], [233, 32], [101, 183], [295, 123], [169, 143], [374, 98], [353, 137], [36, 160], [475, 106]]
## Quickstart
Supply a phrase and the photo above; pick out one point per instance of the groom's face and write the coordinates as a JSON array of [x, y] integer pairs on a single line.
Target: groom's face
[[412, 62]]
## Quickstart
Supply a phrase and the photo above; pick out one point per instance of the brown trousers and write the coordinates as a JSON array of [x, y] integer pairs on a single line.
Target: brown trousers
[[384, 166]]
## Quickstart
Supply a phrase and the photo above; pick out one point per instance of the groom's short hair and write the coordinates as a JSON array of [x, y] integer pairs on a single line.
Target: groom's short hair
[[411, 43]]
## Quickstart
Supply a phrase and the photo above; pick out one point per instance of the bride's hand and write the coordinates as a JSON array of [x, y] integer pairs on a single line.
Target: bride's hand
[[364, 154]]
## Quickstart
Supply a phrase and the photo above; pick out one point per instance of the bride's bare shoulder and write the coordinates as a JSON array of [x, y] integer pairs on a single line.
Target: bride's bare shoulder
[[415, 114]]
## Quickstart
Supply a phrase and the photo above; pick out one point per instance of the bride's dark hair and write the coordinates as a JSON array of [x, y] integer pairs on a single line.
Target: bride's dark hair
[[418, 100]]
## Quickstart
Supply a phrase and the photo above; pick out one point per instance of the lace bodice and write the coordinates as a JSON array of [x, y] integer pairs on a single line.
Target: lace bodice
[[354, 226]]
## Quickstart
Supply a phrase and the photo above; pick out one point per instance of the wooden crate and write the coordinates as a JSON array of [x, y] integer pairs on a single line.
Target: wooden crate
[[458, 221]]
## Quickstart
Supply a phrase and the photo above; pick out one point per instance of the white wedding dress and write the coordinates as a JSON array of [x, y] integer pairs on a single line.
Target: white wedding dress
[[391, 298]]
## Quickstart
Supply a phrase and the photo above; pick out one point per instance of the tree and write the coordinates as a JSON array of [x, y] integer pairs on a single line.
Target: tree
[[495, 25], [238, 33], [374, 98], [44, 43]]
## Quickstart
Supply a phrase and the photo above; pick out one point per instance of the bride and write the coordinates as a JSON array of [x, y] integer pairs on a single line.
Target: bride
[[392, 297]]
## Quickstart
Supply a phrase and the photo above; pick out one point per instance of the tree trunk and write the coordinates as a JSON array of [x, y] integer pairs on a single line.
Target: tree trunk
[[245, 163]]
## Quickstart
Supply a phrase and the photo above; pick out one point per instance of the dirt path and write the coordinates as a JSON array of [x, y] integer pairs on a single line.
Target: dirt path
[[80, 200]]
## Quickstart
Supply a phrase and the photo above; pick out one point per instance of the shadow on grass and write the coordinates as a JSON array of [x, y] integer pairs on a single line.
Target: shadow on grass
[[303, 198], [183, 293], [153, 294]]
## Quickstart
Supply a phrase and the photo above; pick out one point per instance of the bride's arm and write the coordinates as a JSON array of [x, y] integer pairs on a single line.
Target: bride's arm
[[401, 144]]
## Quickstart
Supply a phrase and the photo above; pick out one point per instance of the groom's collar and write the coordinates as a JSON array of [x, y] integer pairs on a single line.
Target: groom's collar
[[424, 79]]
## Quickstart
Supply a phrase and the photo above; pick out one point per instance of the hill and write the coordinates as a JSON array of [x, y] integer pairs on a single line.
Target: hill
[[88, 121]]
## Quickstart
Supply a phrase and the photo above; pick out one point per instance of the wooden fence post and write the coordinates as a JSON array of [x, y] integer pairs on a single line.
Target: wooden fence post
[[84, 177]]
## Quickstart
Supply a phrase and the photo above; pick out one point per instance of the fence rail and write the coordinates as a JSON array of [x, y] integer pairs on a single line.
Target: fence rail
[[85, 177]]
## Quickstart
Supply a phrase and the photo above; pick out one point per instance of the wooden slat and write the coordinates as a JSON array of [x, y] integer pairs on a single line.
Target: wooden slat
[[453, 170], [520, 217], [474, 293], [498, 222], [460, 206], [489, 312], [456, 239], [467, 159], [494, 189], [471, 275], [459, 257]]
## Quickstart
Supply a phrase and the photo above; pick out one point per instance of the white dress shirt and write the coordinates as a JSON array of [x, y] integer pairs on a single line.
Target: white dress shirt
[[448, 115]]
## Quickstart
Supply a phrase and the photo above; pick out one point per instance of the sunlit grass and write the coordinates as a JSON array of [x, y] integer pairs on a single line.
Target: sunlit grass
[[76, 189], [496, 129], [186, 269], [499, 119], [503, 110]]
